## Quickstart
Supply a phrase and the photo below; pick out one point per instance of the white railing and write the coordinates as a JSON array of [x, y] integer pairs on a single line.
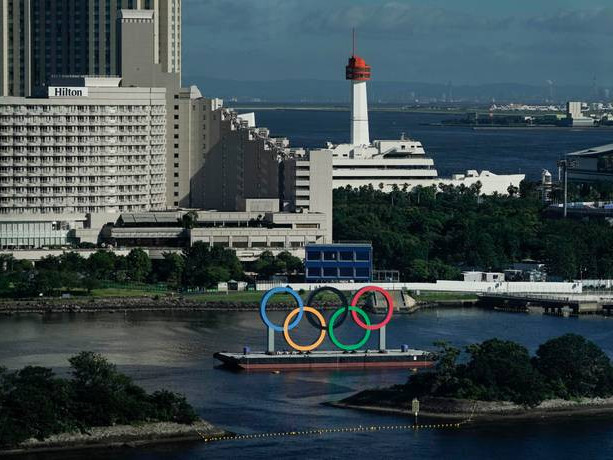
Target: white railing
[[445, 286]]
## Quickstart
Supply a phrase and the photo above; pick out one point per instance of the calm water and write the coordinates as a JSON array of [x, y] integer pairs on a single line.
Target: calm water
[[455, 149], [174, 351]]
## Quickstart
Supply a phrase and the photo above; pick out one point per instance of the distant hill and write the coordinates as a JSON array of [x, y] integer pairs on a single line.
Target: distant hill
[[314, 91]]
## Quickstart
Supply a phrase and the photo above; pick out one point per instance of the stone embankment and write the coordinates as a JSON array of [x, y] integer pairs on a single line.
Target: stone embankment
[[120, 436], [112, 305]]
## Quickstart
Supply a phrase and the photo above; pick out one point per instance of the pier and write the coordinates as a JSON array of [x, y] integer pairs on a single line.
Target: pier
[[552, 304]]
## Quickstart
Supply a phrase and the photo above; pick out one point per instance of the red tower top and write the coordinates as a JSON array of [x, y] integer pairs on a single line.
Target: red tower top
[[357, 69]]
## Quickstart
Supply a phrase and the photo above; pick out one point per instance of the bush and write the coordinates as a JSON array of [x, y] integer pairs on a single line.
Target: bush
[[575, 367]]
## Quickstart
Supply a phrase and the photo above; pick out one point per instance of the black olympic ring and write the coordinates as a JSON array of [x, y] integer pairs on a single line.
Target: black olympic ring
[[343, 300]]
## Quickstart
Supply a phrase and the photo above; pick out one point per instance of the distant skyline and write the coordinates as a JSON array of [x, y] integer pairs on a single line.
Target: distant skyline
[[436, 41]]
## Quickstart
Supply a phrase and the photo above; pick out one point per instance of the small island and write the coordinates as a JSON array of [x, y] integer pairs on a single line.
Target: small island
[[568, 376], [96, 407]]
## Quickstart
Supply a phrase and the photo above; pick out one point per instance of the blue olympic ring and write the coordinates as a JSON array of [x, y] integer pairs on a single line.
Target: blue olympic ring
[[280, 290]]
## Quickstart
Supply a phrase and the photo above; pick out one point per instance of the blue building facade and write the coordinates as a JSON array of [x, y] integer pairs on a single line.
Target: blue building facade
[[338, 263]]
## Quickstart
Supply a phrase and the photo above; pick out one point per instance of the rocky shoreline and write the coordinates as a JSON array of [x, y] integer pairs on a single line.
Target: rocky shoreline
[[120, 436], [123, 304], [387, 401], [166, 304]]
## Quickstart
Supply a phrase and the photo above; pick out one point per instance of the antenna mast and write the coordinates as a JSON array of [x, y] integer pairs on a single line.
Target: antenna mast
[[353, 31]]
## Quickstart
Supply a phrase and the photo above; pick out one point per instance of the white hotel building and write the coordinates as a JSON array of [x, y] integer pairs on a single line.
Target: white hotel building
[[66, 161], [102, 151]]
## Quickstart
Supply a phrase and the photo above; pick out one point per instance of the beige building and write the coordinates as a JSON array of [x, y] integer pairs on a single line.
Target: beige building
[[188, 113], [258, 227], [43, 38], [308, 184]]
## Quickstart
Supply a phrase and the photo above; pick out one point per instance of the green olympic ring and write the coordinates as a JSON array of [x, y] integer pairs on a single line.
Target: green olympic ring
[[333, 338]]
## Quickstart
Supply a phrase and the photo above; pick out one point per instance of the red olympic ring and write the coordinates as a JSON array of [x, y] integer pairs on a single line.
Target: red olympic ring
[[388, 300]]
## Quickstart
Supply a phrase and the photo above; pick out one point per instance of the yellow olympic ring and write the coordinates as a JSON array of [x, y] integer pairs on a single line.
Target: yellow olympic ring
[[293, 344]]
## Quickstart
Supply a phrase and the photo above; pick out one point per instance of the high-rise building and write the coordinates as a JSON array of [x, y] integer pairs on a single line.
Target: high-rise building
[[44, 38], [15, 47], [88, 147]]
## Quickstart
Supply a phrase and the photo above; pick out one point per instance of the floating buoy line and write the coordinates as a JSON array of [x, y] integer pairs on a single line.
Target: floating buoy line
[[324, 431]]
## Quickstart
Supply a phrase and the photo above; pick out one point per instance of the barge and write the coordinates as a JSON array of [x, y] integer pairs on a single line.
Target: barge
[[322, 360]]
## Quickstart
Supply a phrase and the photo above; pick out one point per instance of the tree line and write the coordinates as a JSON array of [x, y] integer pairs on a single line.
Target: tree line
[[200, 266], [35, 403], [437, 232], [567, 367]]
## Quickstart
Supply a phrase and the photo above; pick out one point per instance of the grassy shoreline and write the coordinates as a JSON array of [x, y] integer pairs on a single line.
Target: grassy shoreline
[[485, 411], [119, 437]]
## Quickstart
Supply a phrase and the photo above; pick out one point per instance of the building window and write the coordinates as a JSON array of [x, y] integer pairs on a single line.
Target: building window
[[330, 272], [313, 255], [330, 255]]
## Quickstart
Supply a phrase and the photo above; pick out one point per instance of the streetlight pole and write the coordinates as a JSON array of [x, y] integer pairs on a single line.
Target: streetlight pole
[[565, 164]]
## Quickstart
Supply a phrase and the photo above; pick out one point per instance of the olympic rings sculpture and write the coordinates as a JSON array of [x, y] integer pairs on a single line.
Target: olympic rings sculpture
[[359, 316]]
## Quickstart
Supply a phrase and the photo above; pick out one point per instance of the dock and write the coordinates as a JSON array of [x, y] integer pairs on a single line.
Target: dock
[[552, 304]]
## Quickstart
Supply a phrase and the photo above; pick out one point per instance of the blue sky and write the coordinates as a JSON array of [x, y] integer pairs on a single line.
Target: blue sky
[[463, 41]]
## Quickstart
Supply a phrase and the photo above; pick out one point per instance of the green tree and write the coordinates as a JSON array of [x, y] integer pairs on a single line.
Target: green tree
[[172, 268], [189, 220], [205, 266], [268, 265], [575, 367], [293, 264], [35, 404], [46, 282], [103, 396], [502, 371], [101, 265], [138, 265]]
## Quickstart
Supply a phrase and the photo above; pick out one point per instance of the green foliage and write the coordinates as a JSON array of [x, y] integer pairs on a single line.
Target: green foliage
[[575, 367], [566, 367], [433, 233], [172, 407], [268, 265], [101, 265], [35, 403], [171, 269], [205, 266], [138, 265], [502, 371], [189, 220]]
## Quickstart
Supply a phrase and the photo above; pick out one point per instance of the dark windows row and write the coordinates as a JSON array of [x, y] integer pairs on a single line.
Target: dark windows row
[[342, 255], [335, 272]]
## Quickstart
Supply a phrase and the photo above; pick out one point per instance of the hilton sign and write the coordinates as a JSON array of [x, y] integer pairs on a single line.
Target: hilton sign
[[66, 91]]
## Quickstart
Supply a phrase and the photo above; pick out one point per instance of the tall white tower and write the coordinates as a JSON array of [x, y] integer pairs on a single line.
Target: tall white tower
[[358, 72]]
